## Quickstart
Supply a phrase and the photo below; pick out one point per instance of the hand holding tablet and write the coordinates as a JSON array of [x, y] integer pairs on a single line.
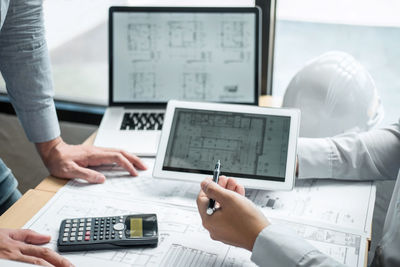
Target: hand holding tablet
[[257, 145]]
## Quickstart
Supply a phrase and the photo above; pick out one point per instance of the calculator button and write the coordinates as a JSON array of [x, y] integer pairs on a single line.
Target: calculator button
[[119, 226], [72, 239], [73, 229], [79, 238], [87, 238], [89, 224], [80, 233], [81, 224], [65, 239], [100, 237], [95, 238], [80, 228], [75, 220], [67, 225], [65, 234], [73, 234], [68, 221], [87, 233]]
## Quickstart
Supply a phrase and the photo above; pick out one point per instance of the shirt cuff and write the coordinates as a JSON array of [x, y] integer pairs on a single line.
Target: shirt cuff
[[315, 157], [277, 245], [40, 125]]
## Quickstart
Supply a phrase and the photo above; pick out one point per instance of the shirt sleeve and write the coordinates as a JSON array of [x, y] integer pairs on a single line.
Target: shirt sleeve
[[25, 66], [370, 155], [277, 246]]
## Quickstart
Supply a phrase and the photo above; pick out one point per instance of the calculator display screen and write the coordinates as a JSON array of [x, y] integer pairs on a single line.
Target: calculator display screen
[[136, 229], [141, 226]]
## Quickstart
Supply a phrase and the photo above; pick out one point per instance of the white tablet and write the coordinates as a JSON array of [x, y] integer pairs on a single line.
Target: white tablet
[[256, 145]]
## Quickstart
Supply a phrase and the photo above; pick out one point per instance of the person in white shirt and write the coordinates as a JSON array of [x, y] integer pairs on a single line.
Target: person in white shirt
[[373, 155]]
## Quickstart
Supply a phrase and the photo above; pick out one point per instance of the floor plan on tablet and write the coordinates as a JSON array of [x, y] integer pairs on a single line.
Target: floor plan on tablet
[[244, 144]]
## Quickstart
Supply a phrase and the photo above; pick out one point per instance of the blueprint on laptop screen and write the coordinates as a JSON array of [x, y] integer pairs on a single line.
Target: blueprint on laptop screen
[[158, 56]]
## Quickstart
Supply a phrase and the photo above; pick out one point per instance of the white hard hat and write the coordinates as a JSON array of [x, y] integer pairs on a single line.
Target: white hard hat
[[335, 94]]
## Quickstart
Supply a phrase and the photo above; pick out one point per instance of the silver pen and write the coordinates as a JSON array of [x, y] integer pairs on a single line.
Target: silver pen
[[217, 171]]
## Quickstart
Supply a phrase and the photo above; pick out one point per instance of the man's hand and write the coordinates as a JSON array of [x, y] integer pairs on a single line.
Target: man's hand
[[71, 161], [18, 245], [237, 221]]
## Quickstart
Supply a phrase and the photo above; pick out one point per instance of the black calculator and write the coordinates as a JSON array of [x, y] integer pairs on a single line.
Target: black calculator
[[113, 232]]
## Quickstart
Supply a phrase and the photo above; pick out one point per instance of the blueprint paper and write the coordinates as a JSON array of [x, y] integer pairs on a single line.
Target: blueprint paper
[[180, 232], [348, 205], [180, 229]]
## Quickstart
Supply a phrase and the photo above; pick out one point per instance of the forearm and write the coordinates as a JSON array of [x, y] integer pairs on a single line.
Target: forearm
[[366, 156], [278, 246]]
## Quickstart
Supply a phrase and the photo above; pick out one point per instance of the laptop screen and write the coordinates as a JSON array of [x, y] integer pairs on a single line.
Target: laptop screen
[[199, 54]]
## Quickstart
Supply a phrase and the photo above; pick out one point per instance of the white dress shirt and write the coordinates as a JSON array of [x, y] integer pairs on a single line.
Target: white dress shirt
[[373, 155]]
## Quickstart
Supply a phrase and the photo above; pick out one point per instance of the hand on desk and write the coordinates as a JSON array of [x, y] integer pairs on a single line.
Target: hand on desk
[[19, 244], [237, 221], [71, 161]]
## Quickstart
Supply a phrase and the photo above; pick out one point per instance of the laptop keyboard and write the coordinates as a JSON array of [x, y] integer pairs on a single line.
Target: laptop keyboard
[[142, 121]]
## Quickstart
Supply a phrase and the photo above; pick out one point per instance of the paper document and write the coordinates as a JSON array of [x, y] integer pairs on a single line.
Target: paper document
[[183, 240]]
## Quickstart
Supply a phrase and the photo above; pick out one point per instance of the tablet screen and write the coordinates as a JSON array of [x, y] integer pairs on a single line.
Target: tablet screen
[[251, 146]]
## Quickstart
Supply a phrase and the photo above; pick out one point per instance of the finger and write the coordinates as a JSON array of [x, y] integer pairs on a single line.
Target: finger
[[32, 260], [215, 191], [222, 181], [89, 175], [114, 157], [234, 186], [204, 184], [240, 190], [202, 202], [135, 160], [47, 254], [29, 236]]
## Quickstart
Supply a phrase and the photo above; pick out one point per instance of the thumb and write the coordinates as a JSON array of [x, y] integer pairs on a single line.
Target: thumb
[[31, 237], [214, 191]]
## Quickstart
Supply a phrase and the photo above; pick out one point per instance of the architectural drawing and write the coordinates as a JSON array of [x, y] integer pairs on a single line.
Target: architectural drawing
[[185, 34], [175, 206], [233, 34], [143, 85], [140, 36], [203, 138], [184, 51], [196, 85]]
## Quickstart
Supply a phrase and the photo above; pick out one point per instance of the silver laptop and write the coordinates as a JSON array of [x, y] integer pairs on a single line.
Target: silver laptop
[[187, 53]]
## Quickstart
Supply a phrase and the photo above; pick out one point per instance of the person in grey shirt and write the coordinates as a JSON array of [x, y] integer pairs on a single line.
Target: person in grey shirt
[[370, 155], [25, 67]]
